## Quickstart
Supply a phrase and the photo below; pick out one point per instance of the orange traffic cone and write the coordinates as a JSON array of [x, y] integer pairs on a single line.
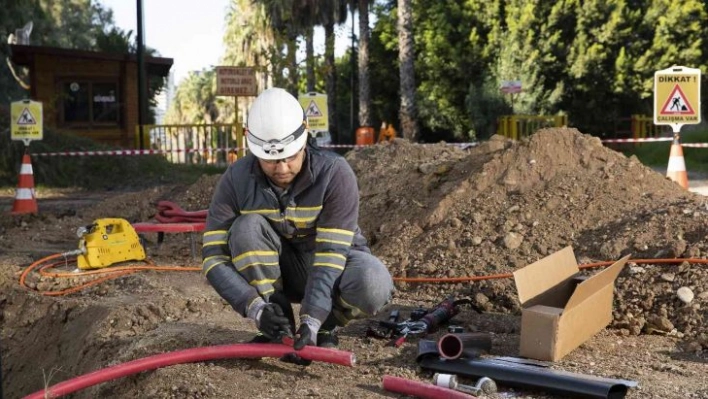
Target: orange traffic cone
[[25, 200], [676, 170]]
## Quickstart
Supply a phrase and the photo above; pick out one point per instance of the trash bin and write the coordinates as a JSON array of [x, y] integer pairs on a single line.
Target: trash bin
[[365, 135]]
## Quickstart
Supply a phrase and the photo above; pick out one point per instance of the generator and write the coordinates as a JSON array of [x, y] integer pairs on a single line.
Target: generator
[[106, 242]]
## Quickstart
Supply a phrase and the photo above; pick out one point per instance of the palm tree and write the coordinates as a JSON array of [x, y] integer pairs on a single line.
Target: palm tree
[[407, 112], [332, 12], [363, 63]]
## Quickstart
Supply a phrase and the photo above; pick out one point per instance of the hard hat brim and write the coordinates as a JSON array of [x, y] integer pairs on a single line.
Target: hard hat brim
[[289, 150]]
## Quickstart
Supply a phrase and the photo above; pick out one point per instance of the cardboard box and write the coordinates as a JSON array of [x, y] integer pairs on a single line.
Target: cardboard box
[[560, 311]]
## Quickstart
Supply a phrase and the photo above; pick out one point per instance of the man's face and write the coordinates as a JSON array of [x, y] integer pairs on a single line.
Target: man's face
[[282, 172]]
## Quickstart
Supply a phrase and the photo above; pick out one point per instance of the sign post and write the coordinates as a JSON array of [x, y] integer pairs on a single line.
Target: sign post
[[26, 124], [677, 102], [236, 81], [511, 87]]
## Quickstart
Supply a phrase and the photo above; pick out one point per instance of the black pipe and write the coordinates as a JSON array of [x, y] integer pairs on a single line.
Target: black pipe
[[455, 345], [530, 376]]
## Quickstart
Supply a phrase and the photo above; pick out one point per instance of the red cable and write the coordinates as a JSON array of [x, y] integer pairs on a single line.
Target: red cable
[[421, 389], [236, 351]]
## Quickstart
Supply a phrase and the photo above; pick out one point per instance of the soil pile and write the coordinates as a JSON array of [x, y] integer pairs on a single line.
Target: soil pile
[[428, 211], [437, 211]]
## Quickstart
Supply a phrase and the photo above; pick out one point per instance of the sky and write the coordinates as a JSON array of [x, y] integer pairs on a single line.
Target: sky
[[191, 32]]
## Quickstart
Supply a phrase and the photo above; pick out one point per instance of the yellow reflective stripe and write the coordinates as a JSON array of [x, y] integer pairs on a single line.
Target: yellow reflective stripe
[[333, 254], [268, 213], [263, 281], [345, 243], [260, 211], [332, 265], [305, 208], [301, 219], [254, 253], [336, 231], [216, 232], [246, 266], [216, 263], [213, 243], [266, 292], [349, 305]]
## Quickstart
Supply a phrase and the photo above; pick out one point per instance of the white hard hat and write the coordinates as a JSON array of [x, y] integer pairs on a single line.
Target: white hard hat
[[277, 127]]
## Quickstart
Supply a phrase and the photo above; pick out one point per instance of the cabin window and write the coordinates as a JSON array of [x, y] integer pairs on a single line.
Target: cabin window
[[90, 103]]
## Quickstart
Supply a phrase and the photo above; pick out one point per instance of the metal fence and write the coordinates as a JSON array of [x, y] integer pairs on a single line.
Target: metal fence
[[519, 126], [215, 144]]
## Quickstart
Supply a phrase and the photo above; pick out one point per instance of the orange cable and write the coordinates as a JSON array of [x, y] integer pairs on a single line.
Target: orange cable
[[119, 271], [113, 273]]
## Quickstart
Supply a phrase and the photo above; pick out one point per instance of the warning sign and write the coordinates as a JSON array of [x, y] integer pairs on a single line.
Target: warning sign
[[315, 106], [677, 98], [26, 121], [26, 118], [313, 110]]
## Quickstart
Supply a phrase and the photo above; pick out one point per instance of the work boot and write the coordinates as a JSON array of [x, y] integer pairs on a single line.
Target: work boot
[[327, 335], [327, 338]]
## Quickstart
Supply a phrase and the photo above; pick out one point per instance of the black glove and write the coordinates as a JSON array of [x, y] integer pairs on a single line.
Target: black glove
[[303, 337], [273, 323]]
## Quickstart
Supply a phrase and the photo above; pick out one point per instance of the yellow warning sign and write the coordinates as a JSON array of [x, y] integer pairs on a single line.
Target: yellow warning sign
[[677, 96], [26, 120], [315, 106]]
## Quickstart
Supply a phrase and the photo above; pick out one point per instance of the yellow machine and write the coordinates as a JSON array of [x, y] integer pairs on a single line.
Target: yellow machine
[[106, 242]]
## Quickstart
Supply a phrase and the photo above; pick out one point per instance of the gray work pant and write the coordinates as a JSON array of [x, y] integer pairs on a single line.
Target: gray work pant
[[363, 288]]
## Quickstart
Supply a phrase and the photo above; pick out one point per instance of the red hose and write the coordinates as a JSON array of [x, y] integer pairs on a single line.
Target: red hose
[[236, 351], [421, 389]]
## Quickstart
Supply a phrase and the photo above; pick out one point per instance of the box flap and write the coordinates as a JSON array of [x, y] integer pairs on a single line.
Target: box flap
[[545, 273], [590, 286]]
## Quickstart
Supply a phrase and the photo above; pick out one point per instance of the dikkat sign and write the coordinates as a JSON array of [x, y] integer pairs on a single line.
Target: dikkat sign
[[236, 81], [26, 122], [677, 96]]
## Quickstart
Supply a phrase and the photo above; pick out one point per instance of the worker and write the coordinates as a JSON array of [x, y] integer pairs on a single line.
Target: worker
[[387, 132], [282, 228]]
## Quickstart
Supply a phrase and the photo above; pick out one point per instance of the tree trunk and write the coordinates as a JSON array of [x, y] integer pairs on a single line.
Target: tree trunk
[[292, 63], [406, 54], [331, 82], [310, 58], [364, 92]]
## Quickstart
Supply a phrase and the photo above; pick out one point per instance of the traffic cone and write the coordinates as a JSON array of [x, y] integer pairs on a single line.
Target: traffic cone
[[25, 200], [676, 170]]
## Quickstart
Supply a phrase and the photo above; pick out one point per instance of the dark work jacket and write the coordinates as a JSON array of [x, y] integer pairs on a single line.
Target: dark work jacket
[[321, 215]]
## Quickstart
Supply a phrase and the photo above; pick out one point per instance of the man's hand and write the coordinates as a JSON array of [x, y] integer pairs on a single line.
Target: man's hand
[[304, 337], [272, 322]]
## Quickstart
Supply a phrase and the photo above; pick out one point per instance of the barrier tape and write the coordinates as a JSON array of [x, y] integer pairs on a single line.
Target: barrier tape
[[462, 146], [649, 139], [197, 150]]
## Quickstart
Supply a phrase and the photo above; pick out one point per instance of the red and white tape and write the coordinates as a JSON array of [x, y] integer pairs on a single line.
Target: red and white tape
[[648, 139], [194, 150]]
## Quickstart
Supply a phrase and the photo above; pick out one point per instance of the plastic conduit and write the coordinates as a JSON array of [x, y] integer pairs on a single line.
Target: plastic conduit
[[236, 351], [421, 389]]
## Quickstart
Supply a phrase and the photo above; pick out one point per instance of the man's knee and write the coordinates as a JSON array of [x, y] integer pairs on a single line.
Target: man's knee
[[369, 285], [247, 224]]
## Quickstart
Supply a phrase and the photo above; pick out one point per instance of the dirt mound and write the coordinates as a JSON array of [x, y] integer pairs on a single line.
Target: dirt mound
[[429, 211], [436, 211]]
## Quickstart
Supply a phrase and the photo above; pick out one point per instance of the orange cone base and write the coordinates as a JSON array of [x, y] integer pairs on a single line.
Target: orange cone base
[[676, 170], [25, 200]]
